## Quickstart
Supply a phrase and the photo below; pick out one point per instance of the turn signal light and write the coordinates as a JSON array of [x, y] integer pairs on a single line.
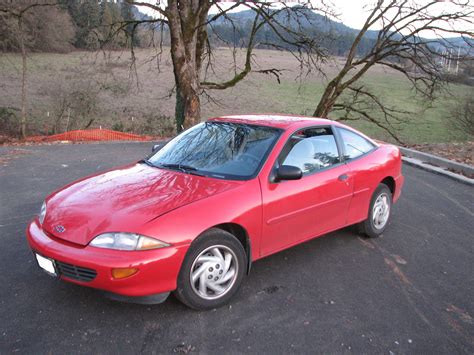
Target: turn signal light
[[121, 273]]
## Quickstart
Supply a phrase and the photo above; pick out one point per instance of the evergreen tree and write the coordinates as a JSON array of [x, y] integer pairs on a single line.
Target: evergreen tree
[[86, 17], [110, 24], [127, 15]]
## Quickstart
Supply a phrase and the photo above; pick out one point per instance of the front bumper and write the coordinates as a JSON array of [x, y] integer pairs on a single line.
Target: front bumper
[[157, 269]]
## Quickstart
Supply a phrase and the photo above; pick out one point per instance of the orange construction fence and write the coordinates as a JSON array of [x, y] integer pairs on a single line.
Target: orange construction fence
[[91, 135]]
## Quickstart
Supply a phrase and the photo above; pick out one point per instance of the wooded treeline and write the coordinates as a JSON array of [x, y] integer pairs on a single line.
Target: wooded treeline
[[94, 24], [68, 25]]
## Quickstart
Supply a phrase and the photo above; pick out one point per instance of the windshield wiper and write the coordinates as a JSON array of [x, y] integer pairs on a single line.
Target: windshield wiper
[[183, 167], [147, 162], [179, 166]]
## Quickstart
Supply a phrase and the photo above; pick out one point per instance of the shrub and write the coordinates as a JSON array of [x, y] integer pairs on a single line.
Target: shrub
[[9, 121], [74, 105], [156, 124], [118, 126], [462, 115]]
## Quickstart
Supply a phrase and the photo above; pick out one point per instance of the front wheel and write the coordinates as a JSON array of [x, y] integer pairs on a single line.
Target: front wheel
[[379, 212], [212, 270]]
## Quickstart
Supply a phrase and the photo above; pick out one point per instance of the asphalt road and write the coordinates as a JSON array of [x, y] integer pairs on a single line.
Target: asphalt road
[[410, 291]]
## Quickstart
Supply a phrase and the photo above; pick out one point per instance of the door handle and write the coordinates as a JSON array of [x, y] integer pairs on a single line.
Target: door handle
[[343, 177]]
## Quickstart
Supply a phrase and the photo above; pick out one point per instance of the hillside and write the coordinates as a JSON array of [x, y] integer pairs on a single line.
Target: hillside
[[335, 37]]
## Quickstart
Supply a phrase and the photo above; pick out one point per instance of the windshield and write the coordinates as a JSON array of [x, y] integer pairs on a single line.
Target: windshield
[[218, 149]]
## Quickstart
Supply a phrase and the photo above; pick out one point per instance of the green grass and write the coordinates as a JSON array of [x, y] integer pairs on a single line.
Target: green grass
[[424, 125], [120, 102]]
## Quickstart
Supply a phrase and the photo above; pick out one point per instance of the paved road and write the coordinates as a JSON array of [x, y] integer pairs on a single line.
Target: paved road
[[410, 291]]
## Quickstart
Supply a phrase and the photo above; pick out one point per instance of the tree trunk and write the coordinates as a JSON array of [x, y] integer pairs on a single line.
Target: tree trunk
[[186, 51], [188, 105], [327, 101], [179, 110], [192, 110], [23, 80]]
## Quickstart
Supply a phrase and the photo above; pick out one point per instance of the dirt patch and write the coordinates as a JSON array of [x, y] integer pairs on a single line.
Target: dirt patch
[[462, 152]]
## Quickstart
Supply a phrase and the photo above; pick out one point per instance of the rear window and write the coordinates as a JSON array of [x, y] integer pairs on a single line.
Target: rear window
[[354, 144]]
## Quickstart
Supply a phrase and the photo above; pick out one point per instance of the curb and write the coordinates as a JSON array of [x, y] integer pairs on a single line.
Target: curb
[[425, 161], [437, 161]]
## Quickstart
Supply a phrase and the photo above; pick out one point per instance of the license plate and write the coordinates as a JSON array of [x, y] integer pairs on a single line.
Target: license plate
[[46, 264]]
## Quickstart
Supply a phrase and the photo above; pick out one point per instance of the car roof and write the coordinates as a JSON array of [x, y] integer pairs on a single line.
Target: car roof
[[275, 120]]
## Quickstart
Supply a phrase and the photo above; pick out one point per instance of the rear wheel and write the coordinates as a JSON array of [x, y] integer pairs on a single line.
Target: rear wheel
[[212, 270], [379, 212]]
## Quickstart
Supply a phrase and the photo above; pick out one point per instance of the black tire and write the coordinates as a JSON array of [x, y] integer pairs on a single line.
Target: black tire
[[368, 227], [188, 293]]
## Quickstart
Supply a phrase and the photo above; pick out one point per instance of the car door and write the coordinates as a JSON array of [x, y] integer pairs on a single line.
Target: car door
[[297, 210], [364, 169]]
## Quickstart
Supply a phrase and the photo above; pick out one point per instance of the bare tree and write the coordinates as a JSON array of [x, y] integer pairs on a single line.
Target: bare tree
[[19, 13], [399, 44], [74, 104], [188, 22]]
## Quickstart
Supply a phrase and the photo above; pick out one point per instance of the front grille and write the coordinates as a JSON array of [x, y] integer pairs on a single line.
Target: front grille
[[76, 272]]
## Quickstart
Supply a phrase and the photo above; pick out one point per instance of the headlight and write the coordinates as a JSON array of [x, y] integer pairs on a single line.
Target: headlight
[[42, 213], [127, 241]]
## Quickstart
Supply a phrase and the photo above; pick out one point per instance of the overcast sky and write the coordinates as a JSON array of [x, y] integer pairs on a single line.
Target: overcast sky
[[352, 13]]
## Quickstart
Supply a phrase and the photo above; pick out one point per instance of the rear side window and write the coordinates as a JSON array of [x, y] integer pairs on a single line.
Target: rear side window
[[354, 144], [311, 150]]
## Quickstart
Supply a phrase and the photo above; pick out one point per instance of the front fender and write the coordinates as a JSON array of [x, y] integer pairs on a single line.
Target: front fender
[[241, 205]]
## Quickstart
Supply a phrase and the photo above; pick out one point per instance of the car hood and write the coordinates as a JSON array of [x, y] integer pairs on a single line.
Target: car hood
[[122, 200]]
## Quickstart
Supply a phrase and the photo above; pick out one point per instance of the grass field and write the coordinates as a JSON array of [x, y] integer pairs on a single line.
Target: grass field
[[116, 99], [426, 125]]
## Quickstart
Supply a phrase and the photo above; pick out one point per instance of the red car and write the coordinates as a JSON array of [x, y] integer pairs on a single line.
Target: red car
[[194, 215]]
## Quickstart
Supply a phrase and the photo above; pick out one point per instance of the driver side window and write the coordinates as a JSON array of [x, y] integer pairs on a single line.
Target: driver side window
[[311, 150]]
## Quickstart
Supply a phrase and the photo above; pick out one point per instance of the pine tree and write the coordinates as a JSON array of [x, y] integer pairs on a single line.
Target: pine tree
[[91, 18], [86, 17], [110, 24], [127, 15]]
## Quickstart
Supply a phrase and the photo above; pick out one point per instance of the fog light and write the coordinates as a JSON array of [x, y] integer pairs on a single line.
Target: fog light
[[122, 273]]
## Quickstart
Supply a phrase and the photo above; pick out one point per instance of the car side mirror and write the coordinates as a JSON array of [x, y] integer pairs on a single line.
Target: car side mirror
[[288, 172], [158, 146]]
